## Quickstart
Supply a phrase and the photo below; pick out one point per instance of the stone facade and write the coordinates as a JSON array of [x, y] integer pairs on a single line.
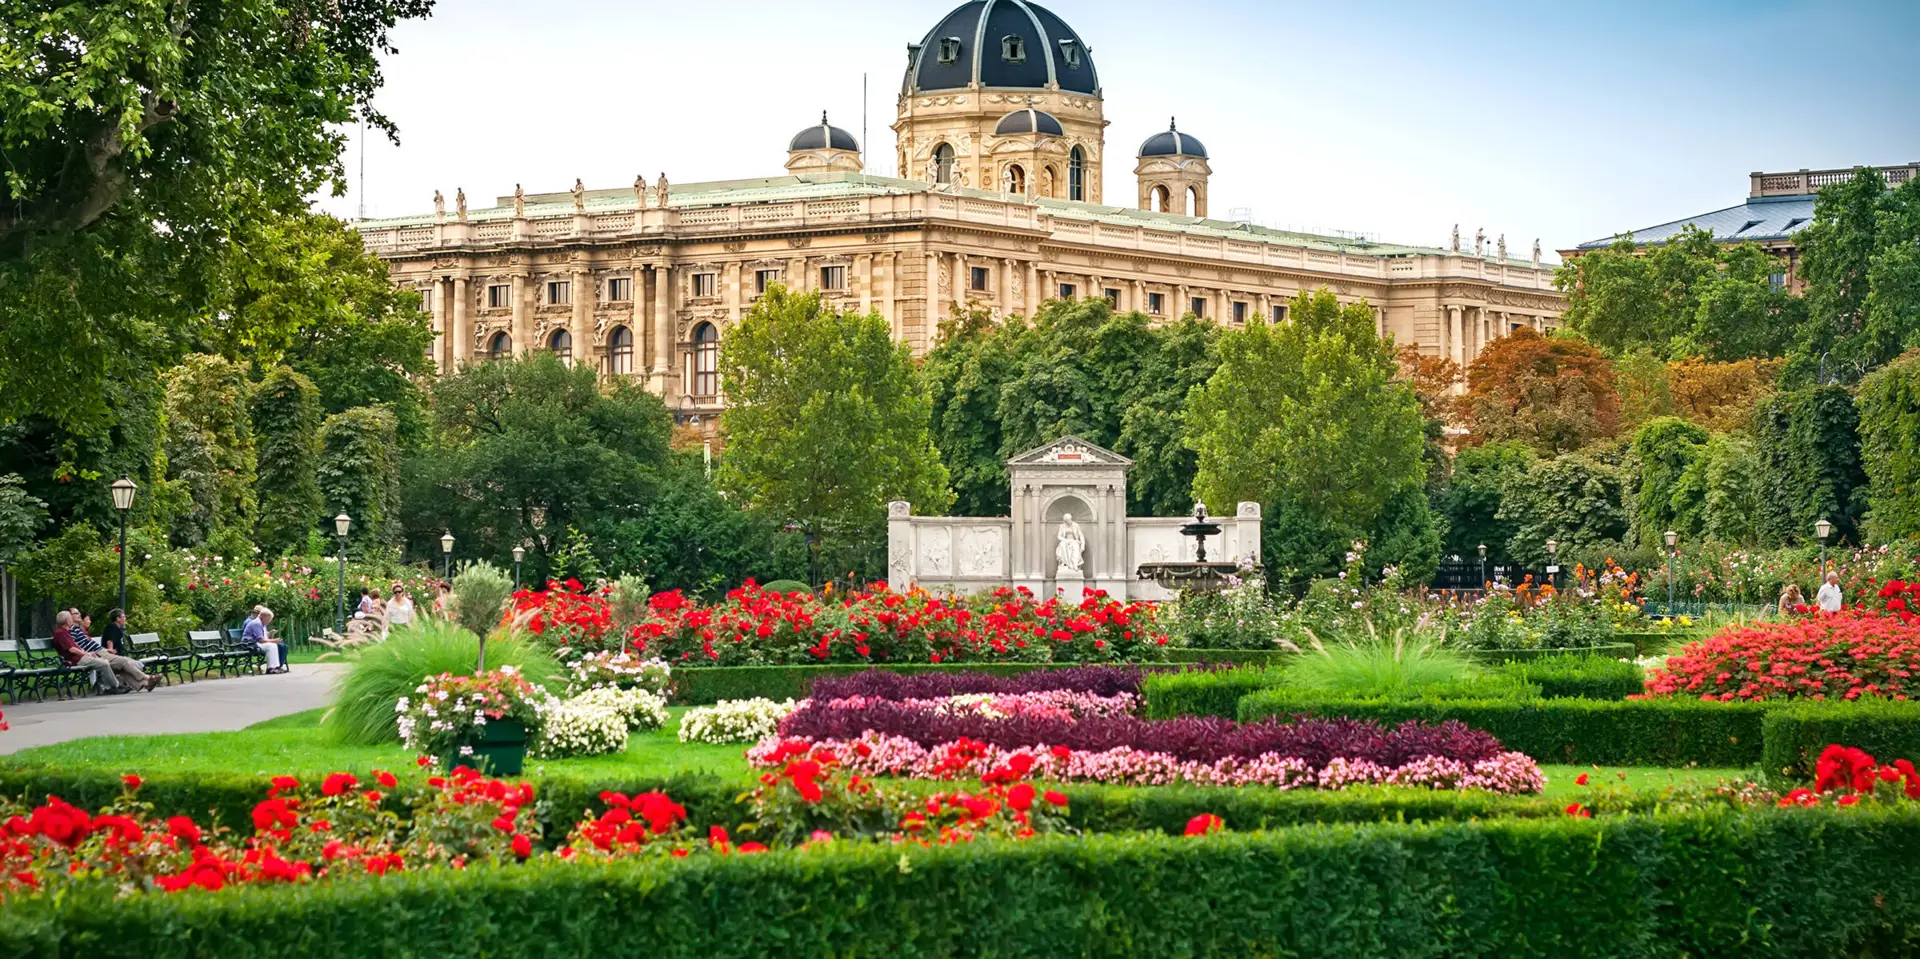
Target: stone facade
[[645, 281]]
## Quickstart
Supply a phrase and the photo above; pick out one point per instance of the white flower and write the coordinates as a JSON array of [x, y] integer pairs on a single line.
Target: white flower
[[508, 670], [734, 721]]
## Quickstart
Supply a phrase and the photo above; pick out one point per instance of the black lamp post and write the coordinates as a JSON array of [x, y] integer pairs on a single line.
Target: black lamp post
[[1823, 529], [813, 552], [1673, 539], [342, 525], [1553, 564], [446, 556], [123, 490], [519, 553], [1483, 566]]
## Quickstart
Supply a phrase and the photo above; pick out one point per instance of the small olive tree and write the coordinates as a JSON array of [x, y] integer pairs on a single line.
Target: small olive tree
[[480, 595]]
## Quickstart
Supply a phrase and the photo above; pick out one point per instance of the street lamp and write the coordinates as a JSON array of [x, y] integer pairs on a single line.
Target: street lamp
[[1823, 529], [446, 556], [123, 490], [342, 525], [1483, 566], [519, 553], [1673, 539], [1553, 567]]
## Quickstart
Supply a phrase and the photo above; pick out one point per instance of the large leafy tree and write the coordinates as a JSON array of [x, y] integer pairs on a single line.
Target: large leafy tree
[[138, 138], [1688, 296], [1309, 419], [286, 428], [827, 420], [1809, 452], [1861, 261], [1553, 393], [521, 450], [1577, 501], [210, 458], [1889, 402], [1666, 450], [1471, 502]]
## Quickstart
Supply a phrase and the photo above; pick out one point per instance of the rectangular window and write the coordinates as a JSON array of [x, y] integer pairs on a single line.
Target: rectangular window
[[1239, 312], [559, 292], [1113, 298], [1776, 280], [949, 50], [833, 277], [1157, 303], [1067, 291], [763, 279], [1279, 312], [499, 296], [979, 279], [704, 283], [619, 289], [1198, 305]]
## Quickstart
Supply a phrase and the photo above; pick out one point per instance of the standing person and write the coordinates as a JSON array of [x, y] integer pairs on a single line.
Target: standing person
[[255, 633], [73, 655], [114, 637], [400, 608], [1829, 598], [442, 600]]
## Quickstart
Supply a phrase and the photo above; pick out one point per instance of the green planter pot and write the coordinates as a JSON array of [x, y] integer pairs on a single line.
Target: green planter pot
[[499, 749]]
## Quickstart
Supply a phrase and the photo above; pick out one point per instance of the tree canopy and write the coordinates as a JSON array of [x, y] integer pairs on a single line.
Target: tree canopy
[[1689, 296], [1553, 393]]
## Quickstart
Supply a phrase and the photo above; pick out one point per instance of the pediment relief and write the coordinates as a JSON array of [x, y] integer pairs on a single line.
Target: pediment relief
[[1069, 451]]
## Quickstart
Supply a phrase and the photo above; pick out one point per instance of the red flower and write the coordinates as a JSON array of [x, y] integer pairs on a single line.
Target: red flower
[[1580, 780], [1575, 809], [660, 812], [1061, 752], [274, 814], [1021, 796], [338, 783], [1204, 824], [522, 845], [1849, 799], [385, 779], [132, 781], [282, 784], [60, 822], [1055, 798], [182, 828]]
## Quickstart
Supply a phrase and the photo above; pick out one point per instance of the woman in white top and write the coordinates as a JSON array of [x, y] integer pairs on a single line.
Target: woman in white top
[[400, 608]]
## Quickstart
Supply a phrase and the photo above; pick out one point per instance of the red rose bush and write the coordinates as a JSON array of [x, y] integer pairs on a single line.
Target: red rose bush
[[1847, 655]]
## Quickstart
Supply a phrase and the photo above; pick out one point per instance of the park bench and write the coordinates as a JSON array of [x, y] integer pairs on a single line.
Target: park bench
[[49, 669], [237, 636], [211, 650], [158, 658]]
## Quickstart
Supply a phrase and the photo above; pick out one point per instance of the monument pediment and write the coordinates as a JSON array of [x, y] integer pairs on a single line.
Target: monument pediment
[[1069, 451]]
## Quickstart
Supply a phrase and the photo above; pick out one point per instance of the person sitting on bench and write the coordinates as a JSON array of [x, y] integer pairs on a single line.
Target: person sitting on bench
[[127, 669], [255, 633], [78, 658]]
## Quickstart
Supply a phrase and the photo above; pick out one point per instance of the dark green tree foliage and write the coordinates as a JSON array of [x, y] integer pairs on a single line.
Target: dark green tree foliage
[[1861, 261], [1471, 502], [1667, 449], [286, 424], [1113, 379], [21, 516], [827, 420], [1889, 402], [1809, 451], [139, 138], [360, 476], [1572, 499], [69, 470], [691, 538], [1729, 475], [1309, 419], [210, 453], [1690, 296], [523, 449]]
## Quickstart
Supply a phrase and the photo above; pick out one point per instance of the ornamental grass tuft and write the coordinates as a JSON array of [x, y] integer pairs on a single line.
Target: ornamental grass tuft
[[380, 674]]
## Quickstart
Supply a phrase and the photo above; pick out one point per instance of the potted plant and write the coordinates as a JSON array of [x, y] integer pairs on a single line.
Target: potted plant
[[481, 721]]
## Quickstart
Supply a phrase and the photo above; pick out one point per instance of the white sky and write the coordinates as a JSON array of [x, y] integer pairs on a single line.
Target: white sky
[[1562, 121]]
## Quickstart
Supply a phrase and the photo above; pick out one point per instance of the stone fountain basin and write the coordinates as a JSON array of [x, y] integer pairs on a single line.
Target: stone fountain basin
[[1189, 577]]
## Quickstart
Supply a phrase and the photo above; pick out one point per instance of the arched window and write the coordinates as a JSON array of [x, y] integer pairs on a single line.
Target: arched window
[[1077, 176], [561, 343], [706, 360], [943, 164], [1159, 201], [1193, 201], [500, 347], [1015, 180], [620, 351]]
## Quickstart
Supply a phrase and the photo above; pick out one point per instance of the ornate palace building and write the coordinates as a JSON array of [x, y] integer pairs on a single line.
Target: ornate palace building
[[1001, 139]]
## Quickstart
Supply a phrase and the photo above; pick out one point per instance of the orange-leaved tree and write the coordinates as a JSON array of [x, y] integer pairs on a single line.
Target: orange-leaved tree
[[1553, 393]]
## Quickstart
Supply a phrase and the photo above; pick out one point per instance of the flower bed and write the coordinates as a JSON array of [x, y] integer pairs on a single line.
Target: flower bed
[[1848, 655], [898, 738], [880, 684], [1050, 704], [754, 626], [734, 720]]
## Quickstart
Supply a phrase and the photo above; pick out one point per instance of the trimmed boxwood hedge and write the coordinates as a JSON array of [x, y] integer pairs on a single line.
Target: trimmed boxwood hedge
[[1168, 695], [1787, 883], [1580, 677], [1796, 734], [1648, 732], [705, 685]]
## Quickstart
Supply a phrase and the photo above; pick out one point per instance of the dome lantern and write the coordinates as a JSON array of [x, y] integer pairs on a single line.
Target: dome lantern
[[1173, 172], [823, 149]]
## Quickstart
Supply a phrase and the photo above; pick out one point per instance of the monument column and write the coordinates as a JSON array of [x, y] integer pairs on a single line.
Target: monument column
[[662, 328], [462, 325], [582, 331]]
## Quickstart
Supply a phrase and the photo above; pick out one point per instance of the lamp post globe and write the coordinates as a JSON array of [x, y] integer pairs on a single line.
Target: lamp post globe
[[1483, 566], [519, 553], [342, 525], [1672, 539], [1553, 567], [1823, 529], [123, 490], [446, 555]]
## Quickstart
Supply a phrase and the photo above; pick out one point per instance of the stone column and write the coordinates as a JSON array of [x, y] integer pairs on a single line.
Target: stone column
[[1005, 287], [434, 298], [890, 298], [1139, 304], [1035, 296], [522, 315], [1185, 295], [1264, 304], [662, 332], [462, 324], [582, 327], [1016, 542], [899, 545], [962, 279], [1453, 332], [863, 279], [932, 284]]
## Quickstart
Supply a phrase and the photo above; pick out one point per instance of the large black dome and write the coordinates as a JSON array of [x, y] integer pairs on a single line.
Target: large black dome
[[823, 137], [1001, 43], [1173, 143]]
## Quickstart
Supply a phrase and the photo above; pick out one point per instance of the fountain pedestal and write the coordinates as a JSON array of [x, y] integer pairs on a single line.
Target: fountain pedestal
[[1198, 576]]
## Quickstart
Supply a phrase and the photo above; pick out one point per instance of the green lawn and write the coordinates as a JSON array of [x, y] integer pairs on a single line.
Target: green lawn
[[1649, 779], [295, 744]]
